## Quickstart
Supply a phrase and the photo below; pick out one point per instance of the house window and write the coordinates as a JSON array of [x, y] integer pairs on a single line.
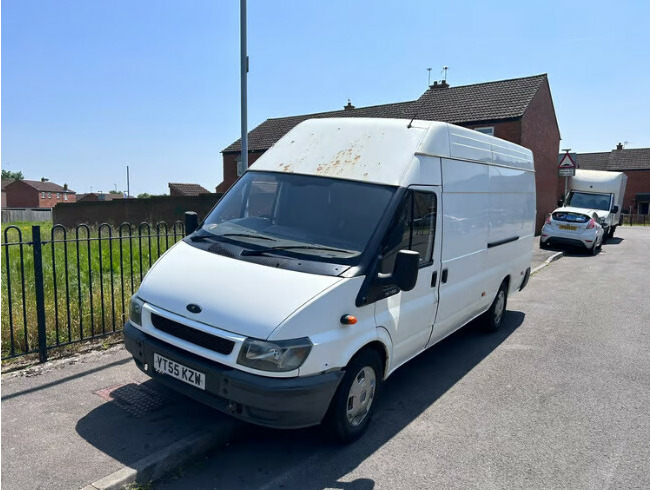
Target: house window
[[58, 195], [49, 195], [65, 197], [43, 195], [486, 130]]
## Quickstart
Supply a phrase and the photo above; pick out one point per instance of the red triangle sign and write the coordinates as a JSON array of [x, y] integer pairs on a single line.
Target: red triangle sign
[[567, 162]]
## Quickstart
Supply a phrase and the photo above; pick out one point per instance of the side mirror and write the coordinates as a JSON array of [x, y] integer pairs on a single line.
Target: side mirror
[[191, 222], [615, 209], [405, 271]]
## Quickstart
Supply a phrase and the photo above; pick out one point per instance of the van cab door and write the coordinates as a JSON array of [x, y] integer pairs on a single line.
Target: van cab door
[[408, 315]]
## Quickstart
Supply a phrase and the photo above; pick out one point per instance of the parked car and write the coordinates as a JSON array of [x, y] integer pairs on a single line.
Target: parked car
[[573, 227]]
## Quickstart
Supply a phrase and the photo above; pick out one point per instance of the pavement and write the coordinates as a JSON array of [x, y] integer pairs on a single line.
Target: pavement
[[95, 421]]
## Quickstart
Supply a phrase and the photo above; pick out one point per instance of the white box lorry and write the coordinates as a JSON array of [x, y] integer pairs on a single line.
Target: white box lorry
[[348, 248], [601, 191]]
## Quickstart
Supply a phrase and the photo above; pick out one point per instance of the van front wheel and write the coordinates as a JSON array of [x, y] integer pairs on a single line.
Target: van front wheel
[[354, 402], [493, 318]]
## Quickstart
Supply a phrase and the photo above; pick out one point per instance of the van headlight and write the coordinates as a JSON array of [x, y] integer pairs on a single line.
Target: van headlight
[[278, 356], [135, 310]]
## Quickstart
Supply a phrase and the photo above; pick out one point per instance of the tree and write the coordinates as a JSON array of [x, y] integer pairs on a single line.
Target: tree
[[115, 192], [8, 174], [144, 195]]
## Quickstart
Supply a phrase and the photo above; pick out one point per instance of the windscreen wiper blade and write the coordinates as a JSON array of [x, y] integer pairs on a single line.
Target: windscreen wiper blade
[[197, 238], [295, 247], [248, 235]]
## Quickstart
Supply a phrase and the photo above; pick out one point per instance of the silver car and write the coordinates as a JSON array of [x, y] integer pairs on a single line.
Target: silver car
[[575, 227]]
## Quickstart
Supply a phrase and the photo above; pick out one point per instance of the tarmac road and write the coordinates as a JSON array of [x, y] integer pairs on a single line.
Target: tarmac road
[[559, 398]]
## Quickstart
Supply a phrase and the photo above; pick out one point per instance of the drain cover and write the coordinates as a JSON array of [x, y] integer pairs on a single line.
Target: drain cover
[[139, 400]]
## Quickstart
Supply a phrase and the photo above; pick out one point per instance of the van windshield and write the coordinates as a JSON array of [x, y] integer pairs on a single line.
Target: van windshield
[[588, 200], [328, 219]]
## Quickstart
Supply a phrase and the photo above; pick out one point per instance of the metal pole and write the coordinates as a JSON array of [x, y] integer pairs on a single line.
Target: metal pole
[[128, 185], [40, 294], [244, 71]]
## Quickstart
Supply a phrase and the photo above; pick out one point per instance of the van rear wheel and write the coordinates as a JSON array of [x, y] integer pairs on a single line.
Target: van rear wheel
[[493, 318], [354, 402]]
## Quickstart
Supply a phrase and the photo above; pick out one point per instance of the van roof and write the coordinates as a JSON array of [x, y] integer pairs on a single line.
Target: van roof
[[381, 150]]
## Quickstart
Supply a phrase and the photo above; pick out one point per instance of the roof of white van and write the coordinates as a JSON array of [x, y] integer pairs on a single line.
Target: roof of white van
[[381, 150]]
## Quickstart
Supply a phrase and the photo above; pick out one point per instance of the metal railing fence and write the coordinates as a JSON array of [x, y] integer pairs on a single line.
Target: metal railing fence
[[635, 219], [71, 285]]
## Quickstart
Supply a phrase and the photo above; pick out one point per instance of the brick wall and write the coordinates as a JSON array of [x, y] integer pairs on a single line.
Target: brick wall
[[21, 195], [50, 200], [638, 181], [151, 210], [540, 134], [508, 130], [230, 168]]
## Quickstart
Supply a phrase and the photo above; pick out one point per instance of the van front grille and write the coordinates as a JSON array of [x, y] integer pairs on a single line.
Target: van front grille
[[192, 335]]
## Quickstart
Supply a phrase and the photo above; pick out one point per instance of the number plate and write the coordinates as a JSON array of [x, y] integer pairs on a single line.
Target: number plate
[[175, 370], [567, 227]]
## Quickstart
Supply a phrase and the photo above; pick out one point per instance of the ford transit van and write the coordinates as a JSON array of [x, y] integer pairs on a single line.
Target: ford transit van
[[348, 248]]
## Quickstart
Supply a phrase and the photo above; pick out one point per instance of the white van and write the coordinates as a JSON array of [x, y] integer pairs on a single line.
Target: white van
[[348, 248]]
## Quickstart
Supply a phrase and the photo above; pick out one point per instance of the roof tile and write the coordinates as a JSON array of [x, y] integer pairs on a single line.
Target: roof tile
[[616, 160], [47, 186], [489, 101], [188, 189]]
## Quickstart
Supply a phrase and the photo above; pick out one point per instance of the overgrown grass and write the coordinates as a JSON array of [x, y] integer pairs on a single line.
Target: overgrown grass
[[89, 275]]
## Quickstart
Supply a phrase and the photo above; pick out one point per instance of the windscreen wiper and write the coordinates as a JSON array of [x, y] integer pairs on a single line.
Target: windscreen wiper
[[294, 247], [248, 235], [197, 238]]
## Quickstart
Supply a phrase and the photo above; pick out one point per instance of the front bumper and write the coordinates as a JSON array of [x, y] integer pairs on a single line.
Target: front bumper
[[271, 402]]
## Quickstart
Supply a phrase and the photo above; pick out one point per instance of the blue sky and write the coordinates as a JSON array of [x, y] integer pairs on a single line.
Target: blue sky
[[91, 86]]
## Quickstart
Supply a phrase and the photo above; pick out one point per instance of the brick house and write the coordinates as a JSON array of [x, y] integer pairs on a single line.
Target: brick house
[[186, 189], [99, 196], [37, 194], [518, 110], [5, 183], [635, 163]]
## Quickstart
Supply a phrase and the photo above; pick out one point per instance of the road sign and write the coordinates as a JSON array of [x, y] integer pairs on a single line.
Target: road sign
[[566, 164], [566, 172]]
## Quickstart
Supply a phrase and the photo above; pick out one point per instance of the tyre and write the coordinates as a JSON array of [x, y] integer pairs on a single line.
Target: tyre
[[493, 318], [611, 233], [542, 244], [594, 248], [355, 399]]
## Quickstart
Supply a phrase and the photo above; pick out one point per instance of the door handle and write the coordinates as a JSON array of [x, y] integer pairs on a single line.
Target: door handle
[[444, 276], [434, 279]]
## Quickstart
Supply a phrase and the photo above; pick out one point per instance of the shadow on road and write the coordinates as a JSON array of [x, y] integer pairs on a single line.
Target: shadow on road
[[309, 456], [613, 241], [141, 418]]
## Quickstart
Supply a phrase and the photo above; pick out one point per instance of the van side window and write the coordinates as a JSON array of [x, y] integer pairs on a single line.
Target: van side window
[[413, 229]]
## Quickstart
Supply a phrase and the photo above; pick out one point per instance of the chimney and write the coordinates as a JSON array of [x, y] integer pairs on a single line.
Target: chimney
[[348, 107], [442, 84], [619, 146], [65, 187]]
